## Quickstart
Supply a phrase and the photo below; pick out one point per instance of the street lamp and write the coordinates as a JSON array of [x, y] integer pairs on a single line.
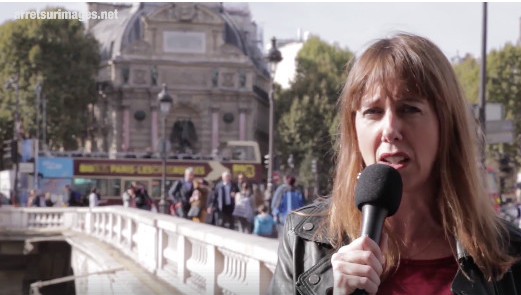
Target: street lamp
[[165, 102], [274, 57], [37, 91], [12, 83]]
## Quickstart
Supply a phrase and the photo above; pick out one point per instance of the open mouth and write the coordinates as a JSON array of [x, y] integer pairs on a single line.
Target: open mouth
[[394, 159]]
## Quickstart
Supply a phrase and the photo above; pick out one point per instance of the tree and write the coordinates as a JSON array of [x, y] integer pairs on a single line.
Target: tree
[[504, 86], [467, 72], [305, 113], [64, 60]]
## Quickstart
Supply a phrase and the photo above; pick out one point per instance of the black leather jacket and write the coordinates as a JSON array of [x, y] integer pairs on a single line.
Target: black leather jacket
[[304, 265]]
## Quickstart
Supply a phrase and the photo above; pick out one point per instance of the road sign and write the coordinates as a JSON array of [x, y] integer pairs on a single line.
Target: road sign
[[499, 131]]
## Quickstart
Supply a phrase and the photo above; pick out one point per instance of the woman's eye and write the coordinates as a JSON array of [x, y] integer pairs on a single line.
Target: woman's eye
[[409, 109], [371, 111]]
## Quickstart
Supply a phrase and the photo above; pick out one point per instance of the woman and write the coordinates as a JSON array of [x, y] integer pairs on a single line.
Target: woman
[[244, 209], [32, 200], [195, 206], [402, 106]]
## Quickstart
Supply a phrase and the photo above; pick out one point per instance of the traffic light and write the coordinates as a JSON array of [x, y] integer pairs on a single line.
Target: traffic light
[[266, 161]]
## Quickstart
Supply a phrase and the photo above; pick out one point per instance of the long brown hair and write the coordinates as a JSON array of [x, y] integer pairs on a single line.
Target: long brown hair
[[463, 205]]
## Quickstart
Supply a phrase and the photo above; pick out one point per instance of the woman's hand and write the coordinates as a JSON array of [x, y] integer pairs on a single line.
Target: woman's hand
[[358, 266]]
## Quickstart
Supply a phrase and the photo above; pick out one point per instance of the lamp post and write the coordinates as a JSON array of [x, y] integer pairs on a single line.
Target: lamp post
[[44, 123], [274, 57], [483, 83], [37, 91], [165, 102], [12, 83]]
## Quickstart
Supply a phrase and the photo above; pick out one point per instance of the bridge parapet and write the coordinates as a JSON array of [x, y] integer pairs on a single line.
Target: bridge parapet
[[195, 258]]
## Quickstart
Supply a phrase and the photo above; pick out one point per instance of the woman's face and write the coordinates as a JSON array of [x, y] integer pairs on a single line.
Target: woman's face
[[400, 131]]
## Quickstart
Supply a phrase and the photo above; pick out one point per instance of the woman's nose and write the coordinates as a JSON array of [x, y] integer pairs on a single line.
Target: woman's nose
[[391, 127]]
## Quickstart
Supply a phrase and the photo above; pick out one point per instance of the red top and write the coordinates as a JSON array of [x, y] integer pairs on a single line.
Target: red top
[[421, 277]]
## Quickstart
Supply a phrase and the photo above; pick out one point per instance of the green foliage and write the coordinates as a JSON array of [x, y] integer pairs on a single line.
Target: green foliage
[[59, 55], [467, 72], [306, 114], [504, 86]]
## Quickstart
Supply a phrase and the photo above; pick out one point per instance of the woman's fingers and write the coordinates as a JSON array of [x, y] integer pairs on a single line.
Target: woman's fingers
[[365, 243], [348, 284], [358, 263], [357, 266]]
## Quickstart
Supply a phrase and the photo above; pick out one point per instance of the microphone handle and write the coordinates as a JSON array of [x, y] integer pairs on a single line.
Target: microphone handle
[[372, 221]]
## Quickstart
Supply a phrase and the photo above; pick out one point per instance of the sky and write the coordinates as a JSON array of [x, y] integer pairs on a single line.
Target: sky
[[455, 27]]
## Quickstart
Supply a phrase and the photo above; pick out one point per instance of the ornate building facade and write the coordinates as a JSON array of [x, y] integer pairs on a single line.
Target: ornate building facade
[[208, 55]]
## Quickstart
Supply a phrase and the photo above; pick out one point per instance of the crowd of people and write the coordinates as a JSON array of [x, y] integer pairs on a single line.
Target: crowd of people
[[233, 204], [72, 198], [237, 205]]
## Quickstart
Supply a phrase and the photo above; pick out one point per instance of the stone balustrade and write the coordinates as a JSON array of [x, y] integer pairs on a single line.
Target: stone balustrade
[[194, 258]]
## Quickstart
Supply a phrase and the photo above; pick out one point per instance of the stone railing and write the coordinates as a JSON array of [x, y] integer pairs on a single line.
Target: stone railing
[[194, 258]]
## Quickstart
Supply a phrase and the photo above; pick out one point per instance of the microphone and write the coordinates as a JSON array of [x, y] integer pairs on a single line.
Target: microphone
[[378, 194]]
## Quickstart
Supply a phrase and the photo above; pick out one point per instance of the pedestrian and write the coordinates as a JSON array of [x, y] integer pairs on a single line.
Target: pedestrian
[[244, 209], [94, 197], [48, 200], [277, 195], [181, 191], [129, 197], [73, 197], [402, 106], [264, 223], [143, 200], [290, 200], [222, 202], [241, 178], [195, 206], [32, 199], [202, 186]]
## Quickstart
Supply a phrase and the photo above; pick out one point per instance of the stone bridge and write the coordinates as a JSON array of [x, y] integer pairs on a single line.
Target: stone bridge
[[117, 250]]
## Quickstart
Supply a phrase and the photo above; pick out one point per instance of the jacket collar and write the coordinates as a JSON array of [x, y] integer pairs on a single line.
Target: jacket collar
[[308, 225]]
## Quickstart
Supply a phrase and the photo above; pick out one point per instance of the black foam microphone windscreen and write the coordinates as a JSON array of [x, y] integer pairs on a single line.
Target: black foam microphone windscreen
[[379, 185]]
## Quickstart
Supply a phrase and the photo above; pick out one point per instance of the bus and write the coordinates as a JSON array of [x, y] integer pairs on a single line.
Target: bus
[[112, 175]]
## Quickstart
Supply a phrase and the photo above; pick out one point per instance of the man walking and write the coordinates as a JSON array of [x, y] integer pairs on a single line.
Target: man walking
[[222, 201], [181, 191]]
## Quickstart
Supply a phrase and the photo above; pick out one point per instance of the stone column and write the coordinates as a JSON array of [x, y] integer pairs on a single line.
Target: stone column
[[242, 123], [126, 130], [215, 127], [153, 128]]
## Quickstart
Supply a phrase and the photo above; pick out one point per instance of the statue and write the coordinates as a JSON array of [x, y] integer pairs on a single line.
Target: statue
[[153, 75], [215, 77], [125, 72]]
